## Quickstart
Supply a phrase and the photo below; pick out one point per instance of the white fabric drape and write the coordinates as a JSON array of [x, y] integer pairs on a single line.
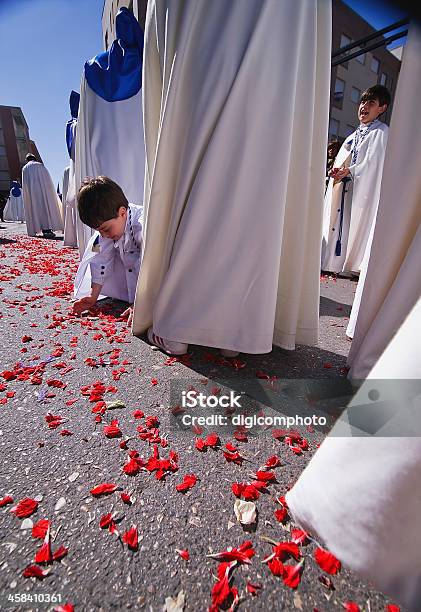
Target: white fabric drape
[[362, 495], [40, 199], [393, 277], [236, 109], [110, 142], [69, 236], [14, 209]]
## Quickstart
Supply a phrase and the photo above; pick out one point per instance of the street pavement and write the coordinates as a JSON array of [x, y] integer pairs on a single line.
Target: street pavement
[[54, 450]]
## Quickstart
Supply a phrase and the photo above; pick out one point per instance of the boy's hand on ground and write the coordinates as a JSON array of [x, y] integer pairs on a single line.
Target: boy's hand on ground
[[83, 304], [128, 314]]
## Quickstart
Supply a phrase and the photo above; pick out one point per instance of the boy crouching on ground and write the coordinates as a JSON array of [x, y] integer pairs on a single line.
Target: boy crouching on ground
[[112, 257]]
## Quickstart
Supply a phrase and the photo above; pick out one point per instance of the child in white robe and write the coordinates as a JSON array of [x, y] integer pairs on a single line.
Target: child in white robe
[[350, 209], [112, 256]]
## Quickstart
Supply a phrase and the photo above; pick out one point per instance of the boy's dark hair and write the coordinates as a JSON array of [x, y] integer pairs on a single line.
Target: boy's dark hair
[[376, 92], [30, 157], [99, 200]]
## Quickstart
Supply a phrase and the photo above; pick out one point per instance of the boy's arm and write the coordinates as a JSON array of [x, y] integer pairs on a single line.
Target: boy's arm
[[102, 265]]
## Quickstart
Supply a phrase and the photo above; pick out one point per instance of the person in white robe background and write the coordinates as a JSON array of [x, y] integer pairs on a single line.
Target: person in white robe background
[[14, 209], [347, 227], [69, 187], [236, 98], [361, 495], [41, 202], [110, 138], [391, 280]]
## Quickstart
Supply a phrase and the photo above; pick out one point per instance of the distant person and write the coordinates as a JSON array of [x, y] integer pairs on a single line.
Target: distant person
[[111, 263], [353, 192], [14, 210], [42, 205]]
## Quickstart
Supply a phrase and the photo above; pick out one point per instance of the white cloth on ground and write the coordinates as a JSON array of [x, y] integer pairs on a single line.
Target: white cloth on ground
[[40, 199], [113, 264], [360, 203], [236, 110]]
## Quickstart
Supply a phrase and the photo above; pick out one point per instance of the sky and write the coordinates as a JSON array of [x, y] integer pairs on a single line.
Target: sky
[[43, 47]]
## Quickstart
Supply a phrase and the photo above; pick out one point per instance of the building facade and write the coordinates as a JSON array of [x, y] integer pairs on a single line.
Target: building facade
[[110, 10], [350, 79], [15, 144]]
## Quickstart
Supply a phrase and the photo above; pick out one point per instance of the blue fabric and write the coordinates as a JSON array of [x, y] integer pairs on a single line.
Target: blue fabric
[[15, 190], [71, 124], [117, 74]]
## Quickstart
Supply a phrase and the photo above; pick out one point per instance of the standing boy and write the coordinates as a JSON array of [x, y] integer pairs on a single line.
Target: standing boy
[[112, 257], [353, 192]]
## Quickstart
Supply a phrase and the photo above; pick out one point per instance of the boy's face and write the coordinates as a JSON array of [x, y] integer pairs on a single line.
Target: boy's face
[[114, 228], [369, 110]]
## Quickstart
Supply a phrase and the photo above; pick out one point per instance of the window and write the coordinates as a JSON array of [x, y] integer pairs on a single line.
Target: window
[[333, 127], [375, 65], [339, 90], [383, 79], [345, 40], [355, 95], [361, 58], [3, 149], [349, 130]]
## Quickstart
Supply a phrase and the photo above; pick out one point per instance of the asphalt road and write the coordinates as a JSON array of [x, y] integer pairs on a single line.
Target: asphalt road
[[99, 571]]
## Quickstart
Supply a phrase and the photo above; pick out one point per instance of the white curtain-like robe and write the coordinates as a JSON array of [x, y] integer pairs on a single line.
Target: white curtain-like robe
[[40, 199], [236, 109], [109, 142], [360, 204], [361, 494], [69, 202], [14, 209], [393, 275]]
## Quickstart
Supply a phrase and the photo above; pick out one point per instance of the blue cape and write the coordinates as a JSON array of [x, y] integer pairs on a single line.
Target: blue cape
[[15, 190], [116, 74]]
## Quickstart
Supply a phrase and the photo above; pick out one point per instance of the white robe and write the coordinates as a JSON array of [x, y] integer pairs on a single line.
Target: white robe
[[14, 209], [41, 202], [69, 199], [360, 204], [393, 276], [361, 494], [236, 108], [109, 142], [114, 265]]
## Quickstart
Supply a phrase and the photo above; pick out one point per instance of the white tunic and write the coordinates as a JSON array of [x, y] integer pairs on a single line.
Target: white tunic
[[42, 204], [113, 264], [14, 209], [360, 203], [236, 108]]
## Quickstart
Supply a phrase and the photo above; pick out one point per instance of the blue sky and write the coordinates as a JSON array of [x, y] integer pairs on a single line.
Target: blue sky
[[43, 47]]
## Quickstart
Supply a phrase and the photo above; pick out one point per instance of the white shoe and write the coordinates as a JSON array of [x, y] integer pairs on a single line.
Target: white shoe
[[168, 346], [228, 353]]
